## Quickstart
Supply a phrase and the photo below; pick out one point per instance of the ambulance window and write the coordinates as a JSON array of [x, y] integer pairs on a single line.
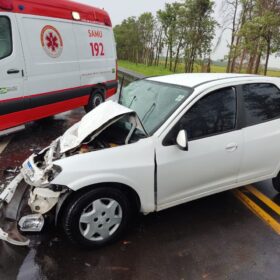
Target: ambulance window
[[6, 46]]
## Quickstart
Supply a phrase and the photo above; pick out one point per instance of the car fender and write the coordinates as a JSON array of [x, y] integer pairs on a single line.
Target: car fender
[[132, 165], [146, 202], [95, 179]]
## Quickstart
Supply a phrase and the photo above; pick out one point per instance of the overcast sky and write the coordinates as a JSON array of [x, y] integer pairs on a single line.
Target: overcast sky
[[122, 9]]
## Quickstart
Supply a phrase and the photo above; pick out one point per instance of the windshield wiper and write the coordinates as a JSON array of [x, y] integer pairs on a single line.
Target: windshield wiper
[[149, 112], [132, 101]]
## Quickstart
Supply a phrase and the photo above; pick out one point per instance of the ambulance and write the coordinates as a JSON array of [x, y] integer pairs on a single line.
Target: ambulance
[[54, 56]]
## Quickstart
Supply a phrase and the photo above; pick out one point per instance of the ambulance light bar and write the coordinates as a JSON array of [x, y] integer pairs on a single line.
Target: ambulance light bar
[[6, 5], [76, 16]]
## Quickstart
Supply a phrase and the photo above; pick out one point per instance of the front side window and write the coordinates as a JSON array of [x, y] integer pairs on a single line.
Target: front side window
[[262, 103], [6, 46], [213, 114]]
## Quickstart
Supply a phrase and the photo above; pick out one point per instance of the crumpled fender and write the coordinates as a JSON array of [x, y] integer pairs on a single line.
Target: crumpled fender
[[132, 165]]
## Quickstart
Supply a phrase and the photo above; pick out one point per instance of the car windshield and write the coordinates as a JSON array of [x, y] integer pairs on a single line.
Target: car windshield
[[153, 102]]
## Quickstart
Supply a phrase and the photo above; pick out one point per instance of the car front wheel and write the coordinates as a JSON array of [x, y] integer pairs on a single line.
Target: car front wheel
[[97, 218]]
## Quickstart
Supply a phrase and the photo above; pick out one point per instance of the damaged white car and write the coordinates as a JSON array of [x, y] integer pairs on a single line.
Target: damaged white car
[[108, 126], [172, 139]]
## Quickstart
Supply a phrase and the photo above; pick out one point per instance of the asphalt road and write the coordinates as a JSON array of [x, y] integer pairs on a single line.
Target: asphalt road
[[218, 237]]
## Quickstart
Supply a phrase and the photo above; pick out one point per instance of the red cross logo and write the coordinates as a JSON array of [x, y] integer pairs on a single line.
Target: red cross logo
[[51, 41]]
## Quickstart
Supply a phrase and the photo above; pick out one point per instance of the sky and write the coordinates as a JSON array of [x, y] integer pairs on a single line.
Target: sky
[[122, 9]]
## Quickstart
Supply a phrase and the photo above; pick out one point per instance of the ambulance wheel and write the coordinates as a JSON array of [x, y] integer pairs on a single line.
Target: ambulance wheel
[[97, 218], [95, 100]]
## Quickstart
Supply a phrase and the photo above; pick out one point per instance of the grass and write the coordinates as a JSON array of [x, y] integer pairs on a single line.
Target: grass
[[144, 69], [273, 73], [160, 70]]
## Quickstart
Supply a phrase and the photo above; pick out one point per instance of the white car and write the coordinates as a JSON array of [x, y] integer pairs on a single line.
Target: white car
[[172, 139]]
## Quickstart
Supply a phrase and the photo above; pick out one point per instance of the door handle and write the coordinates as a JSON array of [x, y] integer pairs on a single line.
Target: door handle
[[13, 71], [231, 147]]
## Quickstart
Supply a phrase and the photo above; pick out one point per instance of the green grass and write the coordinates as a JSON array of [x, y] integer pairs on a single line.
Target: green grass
[[273, 73], [160, 70], [144, 69]]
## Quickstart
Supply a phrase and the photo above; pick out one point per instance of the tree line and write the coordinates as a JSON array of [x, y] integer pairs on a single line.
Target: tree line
[[184, 32], [255, 26]]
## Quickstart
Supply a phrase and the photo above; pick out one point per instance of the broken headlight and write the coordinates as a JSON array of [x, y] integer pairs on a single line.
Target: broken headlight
[[54, 172], [32, 223]]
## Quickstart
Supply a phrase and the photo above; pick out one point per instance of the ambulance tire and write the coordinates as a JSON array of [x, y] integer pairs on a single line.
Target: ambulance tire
[[96, 98]]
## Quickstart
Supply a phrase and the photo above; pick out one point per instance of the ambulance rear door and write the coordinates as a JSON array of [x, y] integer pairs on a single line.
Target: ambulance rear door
[[96, 53]]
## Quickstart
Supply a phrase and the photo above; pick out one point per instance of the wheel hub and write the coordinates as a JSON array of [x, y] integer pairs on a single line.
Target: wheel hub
[[100, 219], [97, 100]]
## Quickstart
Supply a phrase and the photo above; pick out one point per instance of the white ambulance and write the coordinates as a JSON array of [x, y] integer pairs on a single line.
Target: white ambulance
[[54, 56]]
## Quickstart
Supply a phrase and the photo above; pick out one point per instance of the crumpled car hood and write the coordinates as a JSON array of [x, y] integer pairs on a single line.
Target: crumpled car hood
[[94, 122]]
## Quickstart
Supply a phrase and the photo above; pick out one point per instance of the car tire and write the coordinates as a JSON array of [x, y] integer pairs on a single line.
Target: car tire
[[97, 217], [96, 98], [276, 183]]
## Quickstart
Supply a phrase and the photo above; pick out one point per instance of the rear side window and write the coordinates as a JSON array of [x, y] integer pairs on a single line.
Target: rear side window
[[262, 103], [213, 114], [6, 46]]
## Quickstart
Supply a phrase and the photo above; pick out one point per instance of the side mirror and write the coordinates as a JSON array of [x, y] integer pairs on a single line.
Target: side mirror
[[182, 140]]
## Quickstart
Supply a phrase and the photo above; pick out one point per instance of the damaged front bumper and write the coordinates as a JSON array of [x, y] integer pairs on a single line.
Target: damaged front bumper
[[41, 200], [36, 173], [9, 214]]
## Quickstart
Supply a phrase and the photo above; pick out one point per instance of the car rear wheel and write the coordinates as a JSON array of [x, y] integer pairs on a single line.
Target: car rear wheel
[[95, 100], [97, 218], [276, 183]]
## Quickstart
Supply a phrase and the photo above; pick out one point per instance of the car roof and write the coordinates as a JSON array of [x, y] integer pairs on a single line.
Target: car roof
[[197, 79]]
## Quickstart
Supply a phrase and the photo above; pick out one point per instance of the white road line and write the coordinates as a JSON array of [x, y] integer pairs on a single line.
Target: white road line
[[4, 143]]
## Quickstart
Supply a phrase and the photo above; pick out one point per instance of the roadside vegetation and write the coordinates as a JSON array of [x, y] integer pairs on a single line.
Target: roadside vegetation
[[160, 70], [180, 38]]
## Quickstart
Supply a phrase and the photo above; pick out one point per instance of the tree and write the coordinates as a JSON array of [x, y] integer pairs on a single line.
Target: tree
[[168, 20], [261, 33], [230, 11], [255, 33], [200, 31], [185, 30], [127, 39], [146, 26]]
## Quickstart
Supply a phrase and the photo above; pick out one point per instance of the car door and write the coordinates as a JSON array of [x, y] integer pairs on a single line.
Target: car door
[[262, 131], [11, 70], [212, 161]]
